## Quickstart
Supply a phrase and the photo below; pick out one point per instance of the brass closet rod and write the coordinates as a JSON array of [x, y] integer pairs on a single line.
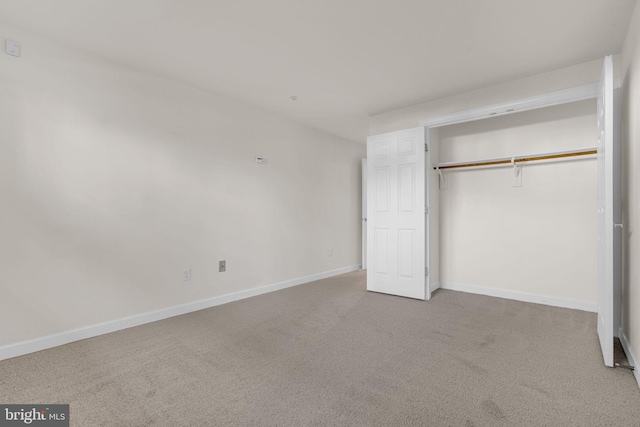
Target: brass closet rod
[[516, 159]]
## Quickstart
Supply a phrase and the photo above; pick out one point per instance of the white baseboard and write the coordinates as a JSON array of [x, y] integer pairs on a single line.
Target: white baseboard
[[628, 350], [434, 286], [54, 340], [520, 296]]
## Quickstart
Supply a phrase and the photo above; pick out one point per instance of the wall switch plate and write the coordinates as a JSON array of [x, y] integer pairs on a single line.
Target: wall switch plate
[[186, 274], [12, 47], [222, 266]]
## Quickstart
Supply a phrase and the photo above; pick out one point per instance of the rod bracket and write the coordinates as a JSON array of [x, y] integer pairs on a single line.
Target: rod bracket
[[442, 181], [516, 167], [517, 173]]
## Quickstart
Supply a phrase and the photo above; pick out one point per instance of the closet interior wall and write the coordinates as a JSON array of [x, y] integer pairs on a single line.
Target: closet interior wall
[[538, 239]]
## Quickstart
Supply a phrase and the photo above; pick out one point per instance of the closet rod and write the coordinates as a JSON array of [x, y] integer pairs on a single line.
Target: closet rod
[[517, 159]]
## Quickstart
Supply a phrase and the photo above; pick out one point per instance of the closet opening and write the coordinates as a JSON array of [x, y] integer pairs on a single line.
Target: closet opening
[[517, 199]]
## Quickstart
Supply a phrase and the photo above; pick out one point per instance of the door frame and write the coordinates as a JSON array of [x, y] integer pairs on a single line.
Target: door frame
[[363, 266], [550, 99]]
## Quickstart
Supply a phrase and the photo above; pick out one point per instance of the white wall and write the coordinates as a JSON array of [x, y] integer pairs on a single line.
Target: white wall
[[553, 256], [112, 180], [630, 76], [566, 78], [539, 238]]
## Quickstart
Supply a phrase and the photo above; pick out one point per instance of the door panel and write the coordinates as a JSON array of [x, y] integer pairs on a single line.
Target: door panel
[[406, 188], [607, 207], [381, 185], [381, 243], [396, 200]]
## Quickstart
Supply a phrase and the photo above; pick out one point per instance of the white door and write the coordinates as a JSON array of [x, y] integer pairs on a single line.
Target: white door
[[364, 214], [396, 213], [608, 209]]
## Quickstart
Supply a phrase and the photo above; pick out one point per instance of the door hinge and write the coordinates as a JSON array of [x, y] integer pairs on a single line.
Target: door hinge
[[426, 209], [426, 271], [426, 147], [630, 367]]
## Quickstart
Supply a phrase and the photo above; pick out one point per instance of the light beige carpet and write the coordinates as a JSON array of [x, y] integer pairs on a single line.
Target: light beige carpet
[[330, 353]]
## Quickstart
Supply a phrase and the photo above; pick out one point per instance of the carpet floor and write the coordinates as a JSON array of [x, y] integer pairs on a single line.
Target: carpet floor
[[328, 353]]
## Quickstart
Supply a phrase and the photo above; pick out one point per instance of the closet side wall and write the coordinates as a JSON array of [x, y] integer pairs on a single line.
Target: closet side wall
[[538, 238]]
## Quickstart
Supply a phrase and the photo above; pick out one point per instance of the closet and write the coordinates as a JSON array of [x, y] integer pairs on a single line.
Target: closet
[[518, 200]]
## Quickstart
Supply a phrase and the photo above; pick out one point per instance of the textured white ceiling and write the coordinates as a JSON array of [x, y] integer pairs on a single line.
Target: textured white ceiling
[[344, 59]]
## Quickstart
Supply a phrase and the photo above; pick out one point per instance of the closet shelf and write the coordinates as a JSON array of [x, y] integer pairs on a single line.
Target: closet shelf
[[516, 159]]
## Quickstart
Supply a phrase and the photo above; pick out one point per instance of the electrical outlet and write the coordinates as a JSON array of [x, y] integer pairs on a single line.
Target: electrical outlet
[[222, 266], [186, 274]]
